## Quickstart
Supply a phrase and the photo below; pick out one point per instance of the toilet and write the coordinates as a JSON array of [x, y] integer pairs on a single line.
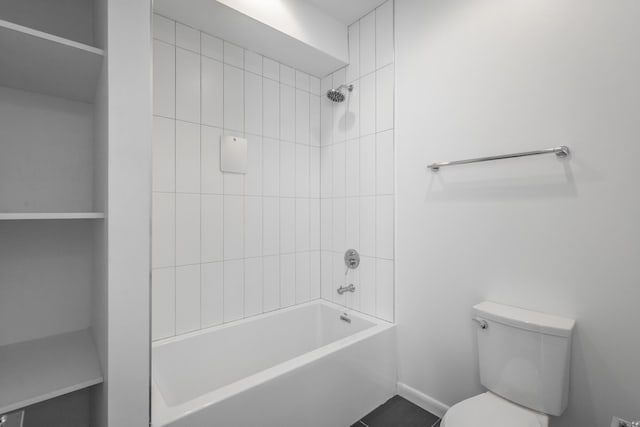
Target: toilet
[[523, 360]]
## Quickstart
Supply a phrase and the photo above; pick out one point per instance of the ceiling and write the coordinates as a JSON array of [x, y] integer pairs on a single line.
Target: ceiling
[[346, 11]]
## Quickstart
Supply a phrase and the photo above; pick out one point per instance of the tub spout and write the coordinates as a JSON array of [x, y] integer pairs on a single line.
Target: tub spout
[[343, 289]]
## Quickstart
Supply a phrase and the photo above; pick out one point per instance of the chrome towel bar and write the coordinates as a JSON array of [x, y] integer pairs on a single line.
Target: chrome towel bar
[[562, 151]]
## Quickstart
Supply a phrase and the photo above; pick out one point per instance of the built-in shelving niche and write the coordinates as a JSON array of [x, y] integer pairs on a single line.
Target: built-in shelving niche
[[52, 200], [38, 370], [28, 216], [43, 63]]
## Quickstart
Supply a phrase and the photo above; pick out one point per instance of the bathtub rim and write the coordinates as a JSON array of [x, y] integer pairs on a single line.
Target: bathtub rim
[[162, 414]]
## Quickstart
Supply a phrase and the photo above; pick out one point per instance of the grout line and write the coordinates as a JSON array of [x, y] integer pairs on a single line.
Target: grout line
[[393, 149], [375, 161], [258, 195], [279, 188], [348, 297], [295, 190], [200, 177], [262, 175], [244, 187], [308, 194], [228, 130], [164, 41], [175, 180], [224, 195]]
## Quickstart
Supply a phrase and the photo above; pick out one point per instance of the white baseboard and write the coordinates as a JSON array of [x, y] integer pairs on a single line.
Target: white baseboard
[[427, 403]]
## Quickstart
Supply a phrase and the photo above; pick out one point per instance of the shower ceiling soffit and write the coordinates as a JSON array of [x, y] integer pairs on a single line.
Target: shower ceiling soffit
[[292, 32], [346, 11]]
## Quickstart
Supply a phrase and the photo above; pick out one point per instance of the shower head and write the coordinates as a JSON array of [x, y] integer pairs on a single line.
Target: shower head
[[336, 95]]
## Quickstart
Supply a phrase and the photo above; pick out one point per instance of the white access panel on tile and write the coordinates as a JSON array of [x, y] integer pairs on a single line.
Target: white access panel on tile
[[233, 154]]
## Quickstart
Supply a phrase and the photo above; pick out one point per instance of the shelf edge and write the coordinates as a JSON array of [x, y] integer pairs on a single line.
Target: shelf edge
[[50, 37], [51, 395], [44, 368], [35, 216]]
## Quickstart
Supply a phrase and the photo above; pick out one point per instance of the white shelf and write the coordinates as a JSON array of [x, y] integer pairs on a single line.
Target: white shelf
[[50, 215], [43, 63], [38, 370]]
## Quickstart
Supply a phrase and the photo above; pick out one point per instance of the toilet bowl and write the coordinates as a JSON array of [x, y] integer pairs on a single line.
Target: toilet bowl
[[523, 359], [489, 410]]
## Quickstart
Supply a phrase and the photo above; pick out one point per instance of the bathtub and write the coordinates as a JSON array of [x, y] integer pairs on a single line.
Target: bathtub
[[298, 367]]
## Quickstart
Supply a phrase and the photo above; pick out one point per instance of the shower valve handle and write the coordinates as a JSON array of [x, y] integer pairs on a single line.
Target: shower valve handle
[[351, 260]]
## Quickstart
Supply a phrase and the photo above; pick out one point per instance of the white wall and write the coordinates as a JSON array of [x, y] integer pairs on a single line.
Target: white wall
[[44, 292], [100, 290], [560, 236], [129, 212], [357, 186], [70, 19], [46, 146], [71, 409], [229, 246], [45, 166]]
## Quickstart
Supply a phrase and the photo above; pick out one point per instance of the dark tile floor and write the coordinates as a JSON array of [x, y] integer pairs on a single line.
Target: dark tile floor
[[398, 412]]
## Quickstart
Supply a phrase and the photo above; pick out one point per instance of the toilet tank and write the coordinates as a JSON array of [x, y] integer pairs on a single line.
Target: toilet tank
[[524, 356]]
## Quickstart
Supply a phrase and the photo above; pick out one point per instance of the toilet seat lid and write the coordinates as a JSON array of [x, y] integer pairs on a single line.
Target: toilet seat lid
[[490, 410]]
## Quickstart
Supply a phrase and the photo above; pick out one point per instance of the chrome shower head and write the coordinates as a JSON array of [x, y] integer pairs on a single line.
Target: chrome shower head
[[336, 95]]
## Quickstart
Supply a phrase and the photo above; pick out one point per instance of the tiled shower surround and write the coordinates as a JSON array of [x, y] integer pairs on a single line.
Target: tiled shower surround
[[357, 169], [230, 246]]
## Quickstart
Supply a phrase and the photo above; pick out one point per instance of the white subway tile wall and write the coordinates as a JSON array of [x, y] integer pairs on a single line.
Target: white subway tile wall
[[357, 170], [230, 246], [187, 298], [320, 179]]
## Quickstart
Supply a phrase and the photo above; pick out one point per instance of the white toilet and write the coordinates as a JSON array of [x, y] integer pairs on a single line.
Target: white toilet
[[524, 362]]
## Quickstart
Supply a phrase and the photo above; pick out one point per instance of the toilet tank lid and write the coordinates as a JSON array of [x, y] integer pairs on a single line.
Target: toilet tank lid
[[525, 319]]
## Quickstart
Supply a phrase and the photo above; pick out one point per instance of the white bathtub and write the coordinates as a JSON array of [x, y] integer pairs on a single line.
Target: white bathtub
[[298, 367]]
